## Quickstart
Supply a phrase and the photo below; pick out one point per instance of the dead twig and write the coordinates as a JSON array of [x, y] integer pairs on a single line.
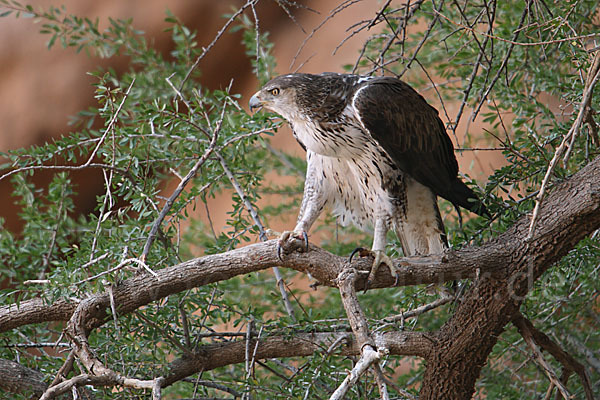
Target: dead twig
[[536, 340], [220, 33], [262, 232]]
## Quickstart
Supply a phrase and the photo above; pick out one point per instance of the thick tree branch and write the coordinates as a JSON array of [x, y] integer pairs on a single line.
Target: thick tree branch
[[35, 311], [216, 355], [570, 213], [322, 265], [16, 378]]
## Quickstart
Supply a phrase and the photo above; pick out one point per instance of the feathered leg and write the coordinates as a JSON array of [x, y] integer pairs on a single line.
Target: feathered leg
[[313, 202]]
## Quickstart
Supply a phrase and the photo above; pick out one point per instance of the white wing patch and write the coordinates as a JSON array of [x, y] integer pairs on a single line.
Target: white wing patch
[[352, 108]]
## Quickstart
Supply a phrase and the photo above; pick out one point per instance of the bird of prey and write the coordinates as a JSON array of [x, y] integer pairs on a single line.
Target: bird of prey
[[378, 156]]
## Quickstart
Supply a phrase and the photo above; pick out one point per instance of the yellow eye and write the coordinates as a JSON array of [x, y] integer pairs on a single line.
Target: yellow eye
[[274, 92]]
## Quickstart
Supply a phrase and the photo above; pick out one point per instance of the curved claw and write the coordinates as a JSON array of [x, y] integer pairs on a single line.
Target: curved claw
[[305, 237], [279, 250], [359, 250]]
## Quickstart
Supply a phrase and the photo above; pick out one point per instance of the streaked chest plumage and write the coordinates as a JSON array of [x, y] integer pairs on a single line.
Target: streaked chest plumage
[[361, 182]]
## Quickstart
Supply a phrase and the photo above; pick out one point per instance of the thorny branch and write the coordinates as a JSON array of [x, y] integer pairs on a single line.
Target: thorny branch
[[206, 49], [503, 65], [182, 184]]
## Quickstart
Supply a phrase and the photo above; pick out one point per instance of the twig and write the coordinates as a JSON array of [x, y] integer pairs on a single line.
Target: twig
[[420, 310], [592, 75], [256, 34], [452, 126], [34, 345], [587, 96], [532, 335], [340, 7], [481, 149], [36, 282], [262, 232], [590, 356], [214, 385], [253, 359], [106, 202], [166, 334], [502, 66], [247, 363], [185, 325], [46, 257], [368, 357], [480, 57], [67, 168], [205, 50], [539, 358], [79, 380], [113, 308], [110, 124], [118, 267], [409, 11], [423, 40], [513, 41], [64, 370], [182, 184], [317, 371]]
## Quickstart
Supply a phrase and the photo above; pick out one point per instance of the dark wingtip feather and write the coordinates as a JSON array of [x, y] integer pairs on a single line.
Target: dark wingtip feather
[[461, 195]]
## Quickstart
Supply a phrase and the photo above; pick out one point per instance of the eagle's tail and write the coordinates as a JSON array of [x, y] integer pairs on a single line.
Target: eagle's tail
[[461, 195]]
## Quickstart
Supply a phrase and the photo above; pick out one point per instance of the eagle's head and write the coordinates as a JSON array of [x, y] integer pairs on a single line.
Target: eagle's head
[[280, 95], [302, 97]]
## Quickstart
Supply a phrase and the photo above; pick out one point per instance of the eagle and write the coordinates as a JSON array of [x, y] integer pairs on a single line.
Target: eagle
[[378, 156]]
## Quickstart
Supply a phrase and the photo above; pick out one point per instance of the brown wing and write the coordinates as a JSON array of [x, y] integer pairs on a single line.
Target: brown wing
[[413, 135]]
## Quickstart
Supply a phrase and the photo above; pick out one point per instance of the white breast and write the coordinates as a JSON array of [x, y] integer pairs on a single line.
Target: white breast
[[356, 190]]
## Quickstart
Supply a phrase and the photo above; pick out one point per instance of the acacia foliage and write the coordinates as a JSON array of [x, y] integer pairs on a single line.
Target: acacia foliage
[[153, 123]]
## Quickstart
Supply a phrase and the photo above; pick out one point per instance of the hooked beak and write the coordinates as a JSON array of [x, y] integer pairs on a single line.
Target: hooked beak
[[254, 103]]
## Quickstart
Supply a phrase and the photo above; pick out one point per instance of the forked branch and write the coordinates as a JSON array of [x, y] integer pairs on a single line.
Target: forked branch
[[370, 354]]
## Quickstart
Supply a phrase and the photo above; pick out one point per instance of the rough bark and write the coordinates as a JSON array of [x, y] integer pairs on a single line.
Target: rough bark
[[16, 378], [217, 355]]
